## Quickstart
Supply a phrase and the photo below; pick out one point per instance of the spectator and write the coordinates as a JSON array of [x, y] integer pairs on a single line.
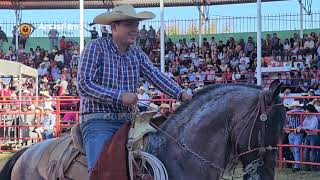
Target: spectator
[[187, 88], [48, 100], [309, 46], [193, 44], [47, 123], [144, 99], [267, 45], [104, 31], [295, 136], [143, 36], [63, 86], [249, 47], [310, 123], [287, 101], [151, 36], [14, 30], [23, 40], [3, 38], [63, 45], [275, 44], [94, 33], [53, 37]]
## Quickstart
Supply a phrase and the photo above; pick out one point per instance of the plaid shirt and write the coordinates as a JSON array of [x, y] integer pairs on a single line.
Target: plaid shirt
[[294, 121], [104, 74]]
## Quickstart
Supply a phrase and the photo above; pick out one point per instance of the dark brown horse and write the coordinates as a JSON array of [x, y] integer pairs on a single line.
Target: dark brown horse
[[220, 124]]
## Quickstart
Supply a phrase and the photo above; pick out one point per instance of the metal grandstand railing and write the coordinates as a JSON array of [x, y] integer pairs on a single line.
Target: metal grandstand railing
[[215, 25]]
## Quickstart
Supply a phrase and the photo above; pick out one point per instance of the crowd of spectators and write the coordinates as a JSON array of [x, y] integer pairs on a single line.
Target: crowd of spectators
[[192, 65]]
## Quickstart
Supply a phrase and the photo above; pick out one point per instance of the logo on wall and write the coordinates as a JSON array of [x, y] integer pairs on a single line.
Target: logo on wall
[[26, 29]]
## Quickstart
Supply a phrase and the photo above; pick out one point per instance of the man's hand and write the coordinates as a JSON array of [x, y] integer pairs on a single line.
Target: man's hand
[[129, 99], [299, 130], [185, 97]]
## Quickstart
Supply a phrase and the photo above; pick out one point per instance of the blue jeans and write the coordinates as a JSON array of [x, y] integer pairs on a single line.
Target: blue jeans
[[310, 154], [295, 139], [96, 131], [47, 134]]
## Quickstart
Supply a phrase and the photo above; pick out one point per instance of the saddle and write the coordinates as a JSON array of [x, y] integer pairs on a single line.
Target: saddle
[[65, 157], [138, 130]]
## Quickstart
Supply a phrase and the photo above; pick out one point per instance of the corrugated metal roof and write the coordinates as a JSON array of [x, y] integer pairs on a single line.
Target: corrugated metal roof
[[98, 4]]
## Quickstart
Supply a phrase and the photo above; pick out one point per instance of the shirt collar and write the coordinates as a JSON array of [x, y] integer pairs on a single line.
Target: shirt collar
[[116, 48]]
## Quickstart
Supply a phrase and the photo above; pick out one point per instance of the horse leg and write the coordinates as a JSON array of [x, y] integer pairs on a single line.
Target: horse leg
[[5, 173]]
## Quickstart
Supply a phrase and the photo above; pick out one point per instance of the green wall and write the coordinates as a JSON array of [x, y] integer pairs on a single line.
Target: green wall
[[44, 42]]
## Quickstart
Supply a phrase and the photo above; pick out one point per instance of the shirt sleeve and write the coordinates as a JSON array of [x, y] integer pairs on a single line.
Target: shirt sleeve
[[158, 79], [312, 125], [88, 69]]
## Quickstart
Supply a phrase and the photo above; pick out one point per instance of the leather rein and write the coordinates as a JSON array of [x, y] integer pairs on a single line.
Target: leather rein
[[252, 167]]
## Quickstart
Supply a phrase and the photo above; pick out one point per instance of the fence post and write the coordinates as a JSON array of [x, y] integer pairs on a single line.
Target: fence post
[[58, 112], [280, 153]]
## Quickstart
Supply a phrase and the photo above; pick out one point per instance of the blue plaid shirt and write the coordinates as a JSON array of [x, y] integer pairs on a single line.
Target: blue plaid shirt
[[104, 74], [294, 121]]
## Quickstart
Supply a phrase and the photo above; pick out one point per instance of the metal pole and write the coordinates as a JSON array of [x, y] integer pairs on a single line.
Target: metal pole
[[17, 33], [37, 89], [200, 28], [259, 76], [301, 20], [162, 49], [81, 25]]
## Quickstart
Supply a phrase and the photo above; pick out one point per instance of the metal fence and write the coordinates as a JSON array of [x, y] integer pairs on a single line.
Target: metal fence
[[214, 25]]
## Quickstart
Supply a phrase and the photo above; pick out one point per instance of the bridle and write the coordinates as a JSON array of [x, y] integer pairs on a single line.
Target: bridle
[[264, 111], [253, 166]]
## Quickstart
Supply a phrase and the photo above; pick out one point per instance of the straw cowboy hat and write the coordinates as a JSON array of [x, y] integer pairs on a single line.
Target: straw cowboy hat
[[25, 91], [293, 104], [45, 93], [143, 88], [45, 79], [153, 107], [122, 12]]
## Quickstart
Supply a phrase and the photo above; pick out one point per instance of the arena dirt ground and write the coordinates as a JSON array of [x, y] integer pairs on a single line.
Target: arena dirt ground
[[282, 174]]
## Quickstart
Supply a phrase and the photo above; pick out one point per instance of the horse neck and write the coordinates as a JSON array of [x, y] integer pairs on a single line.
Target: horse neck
[[203, 135]]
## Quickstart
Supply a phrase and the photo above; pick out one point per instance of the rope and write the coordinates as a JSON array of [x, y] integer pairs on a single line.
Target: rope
[[159, 170]]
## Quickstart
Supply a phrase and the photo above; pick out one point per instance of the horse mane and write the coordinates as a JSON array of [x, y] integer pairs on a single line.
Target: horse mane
[[208, 89]]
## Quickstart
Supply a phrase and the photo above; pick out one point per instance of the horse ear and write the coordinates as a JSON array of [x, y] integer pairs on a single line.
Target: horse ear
[[274, 90]]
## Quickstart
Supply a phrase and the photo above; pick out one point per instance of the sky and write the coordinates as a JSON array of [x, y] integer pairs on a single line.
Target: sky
[[68, 20], [290, 6]]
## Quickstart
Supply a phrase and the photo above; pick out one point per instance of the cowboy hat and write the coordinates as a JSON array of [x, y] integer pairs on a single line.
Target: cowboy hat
[[164, 105], [45, 79], [153, 107], [143, 88], [121, 13], [294, 104], [25, 91], [45, 93]]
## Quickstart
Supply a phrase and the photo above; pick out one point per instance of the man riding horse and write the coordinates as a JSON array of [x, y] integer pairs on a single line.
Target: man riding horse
[[109, 72]]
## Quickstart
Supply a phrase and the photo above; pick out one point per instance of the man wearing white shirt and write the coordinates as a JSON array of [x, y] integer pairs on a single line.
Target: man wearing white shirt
[[244, 58], [144, 99], [193, 43], [309, 46]]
